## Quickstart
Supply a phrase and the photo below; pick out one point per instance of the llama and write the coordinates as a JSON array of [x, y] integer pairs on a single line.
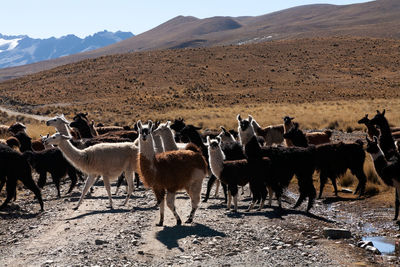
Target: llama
[[168, 172], [272, 134], [191, 133], [11, 142], [389, 171], [14, 167], [318, 138], [52, 161], [17, 127], [386, 141], [107, 159], [232, 149], [26, 143], [371, 129], [333, 160], [236, 173], [287, 125], [285, 162]]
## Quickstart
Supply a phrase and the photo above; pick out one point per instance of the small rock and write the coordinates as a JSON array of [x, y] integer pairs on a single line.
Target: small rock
[[140, 252], [231, 254], [373, 250], [346, 190], [265, 248], [195, 241], [336, 233], [100, 242]]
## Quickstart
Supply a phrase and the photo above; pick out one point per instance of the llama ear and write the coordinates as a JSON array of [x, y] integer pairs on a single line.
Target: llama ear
[[375, 139], [218, 139], [139, 125], [168, 124], [291, 118], [238, 117], [197, 128], [366, 116], [378, 112], [150, 124], [250, 118], [383, 112], [223, 129], [47, 136], [208, 140], [296, 126]]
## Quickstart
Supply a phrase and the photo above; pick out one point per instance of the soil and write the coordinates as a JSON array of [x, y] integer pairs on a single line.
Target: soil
[[95, 235]]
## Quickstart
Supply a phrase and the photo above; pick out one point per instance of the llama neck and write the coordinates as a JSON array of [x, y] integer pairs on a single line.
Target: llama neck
[[300, 140], [63, 129], [246, 136], [252, 149], [146, 149], [196, 139], [216, 158], [371, 129], [168, 141], [75, 156], [158, 145]]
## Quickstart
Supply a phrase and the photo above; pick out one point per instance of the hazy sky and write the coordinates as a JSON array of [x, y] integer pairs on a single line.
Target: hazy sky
[[46, 18]]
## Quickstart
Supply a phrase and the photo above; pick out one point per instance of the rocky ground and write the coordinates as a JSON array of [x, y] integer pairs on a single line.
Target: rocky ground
[[127, 236]]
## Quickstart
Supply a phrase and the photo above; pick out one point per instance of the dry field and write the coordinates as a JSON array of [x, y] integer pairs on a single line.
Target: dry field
[[330, 82], [319, 81]]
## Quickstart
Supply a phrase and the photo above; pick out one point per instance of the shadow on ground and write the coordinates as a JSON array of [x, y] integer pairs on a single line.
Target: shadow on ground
[[169, 236]]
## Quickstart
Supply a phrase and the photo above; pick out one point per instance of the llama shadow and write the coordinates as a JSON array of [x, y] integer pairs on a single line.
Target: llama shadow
[[218, 206], [285, 212], [6, 215], [330, 200], [275, 213], [169, 236], [95, 212]]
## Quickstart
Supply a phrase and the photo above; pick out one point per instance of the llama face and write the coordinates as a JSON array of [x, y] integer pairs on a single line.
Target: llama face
[[178, 125], [288, 120], [17, 127], [245, 128], [292, 133], [55, 139], [225, 136], [161, 129], [364, 120], [379, 119], [57, 120], [372, 146]]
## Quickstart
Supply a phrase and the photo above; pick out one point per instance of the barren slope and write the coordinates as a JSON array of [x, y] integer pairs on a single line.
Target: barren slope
[[372, 19]]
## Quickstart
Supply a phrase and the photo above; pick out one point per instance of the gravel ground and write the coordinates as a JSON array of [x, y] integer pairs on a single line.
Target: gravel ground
[[127, 236]]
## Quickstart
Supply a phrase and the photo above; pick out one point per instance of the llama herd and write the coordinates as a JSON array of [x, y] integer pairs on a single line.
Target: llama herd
[[173, 156]]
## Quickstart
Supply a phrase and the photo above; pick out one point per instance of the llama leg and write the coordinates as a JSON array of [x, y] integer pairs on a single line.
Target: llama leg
[[254, 199], [106, 181], [228, 206], [171, 206], [119, 182], [217, 188], [210, 183], [397, 201], [362, 180], [160, 196], [10, 188], [89, 182], [194, 194], [270, 192], [129, 179], [333, 180], [137, 180], [42, 179], [225, 188], [322, 178], [162, 207], [31, 185], [72, 175], [56, 180]]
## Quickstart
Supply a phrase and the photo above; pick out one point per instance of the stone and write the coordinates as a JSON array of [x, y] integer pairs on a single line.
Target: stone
[[100, 242], [373, 250], [336, 233]]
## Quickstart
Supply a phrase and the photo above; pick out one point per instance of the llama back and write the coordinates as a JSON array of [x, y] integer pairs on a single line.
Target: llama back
[[173, 165]]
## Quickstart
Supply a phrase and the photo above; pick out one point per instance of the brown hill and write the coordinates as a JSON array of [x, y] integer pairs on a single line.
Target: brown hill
[[372, 19], [122, 88]]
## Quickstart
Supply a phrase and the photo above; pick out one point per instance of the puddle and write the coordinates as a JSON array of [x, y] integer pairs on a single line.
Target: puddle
[[386, 246]]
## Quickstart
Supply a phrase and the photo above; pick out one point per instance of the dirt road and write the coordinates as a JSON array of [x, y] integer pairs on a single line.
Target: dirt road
[[127, 236]]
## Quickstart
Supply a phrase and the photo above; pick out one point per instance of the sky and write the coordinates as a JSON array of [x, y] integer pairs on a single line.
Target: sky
[[47, 18]]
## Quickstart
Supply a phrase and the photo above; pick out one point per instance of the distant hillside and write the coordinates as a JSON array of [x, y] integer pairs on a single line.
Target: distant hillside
[[378, 19], [21, 50]]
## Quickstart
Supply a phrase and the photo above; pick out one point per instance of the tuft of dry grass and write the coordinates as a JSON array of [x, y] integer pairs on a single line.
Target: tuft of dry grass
[[347, 180]]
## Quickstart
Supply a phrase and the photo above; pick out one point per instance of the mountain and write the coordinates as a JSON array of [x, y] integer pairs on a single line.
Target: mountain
[[21, 50], [377, 19]]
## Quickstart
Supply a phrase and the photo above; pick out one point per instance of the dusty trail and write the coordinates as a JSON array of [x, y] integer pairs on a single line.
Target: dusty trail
[[127, 236]]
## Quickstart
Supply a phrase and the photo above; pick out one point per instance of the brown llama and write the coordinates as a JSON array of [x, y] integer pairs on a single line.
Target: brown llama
[[168, 172]]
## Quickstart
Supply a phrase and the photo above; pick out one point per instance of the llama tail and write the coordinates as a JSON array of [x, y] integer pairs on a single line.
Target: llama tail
[[328, 133], [193, 148]]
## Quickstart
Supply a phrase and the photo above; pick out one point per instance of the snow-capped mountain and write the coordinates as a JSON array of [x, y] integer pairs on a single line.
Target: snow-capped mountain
[[20, 50]]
